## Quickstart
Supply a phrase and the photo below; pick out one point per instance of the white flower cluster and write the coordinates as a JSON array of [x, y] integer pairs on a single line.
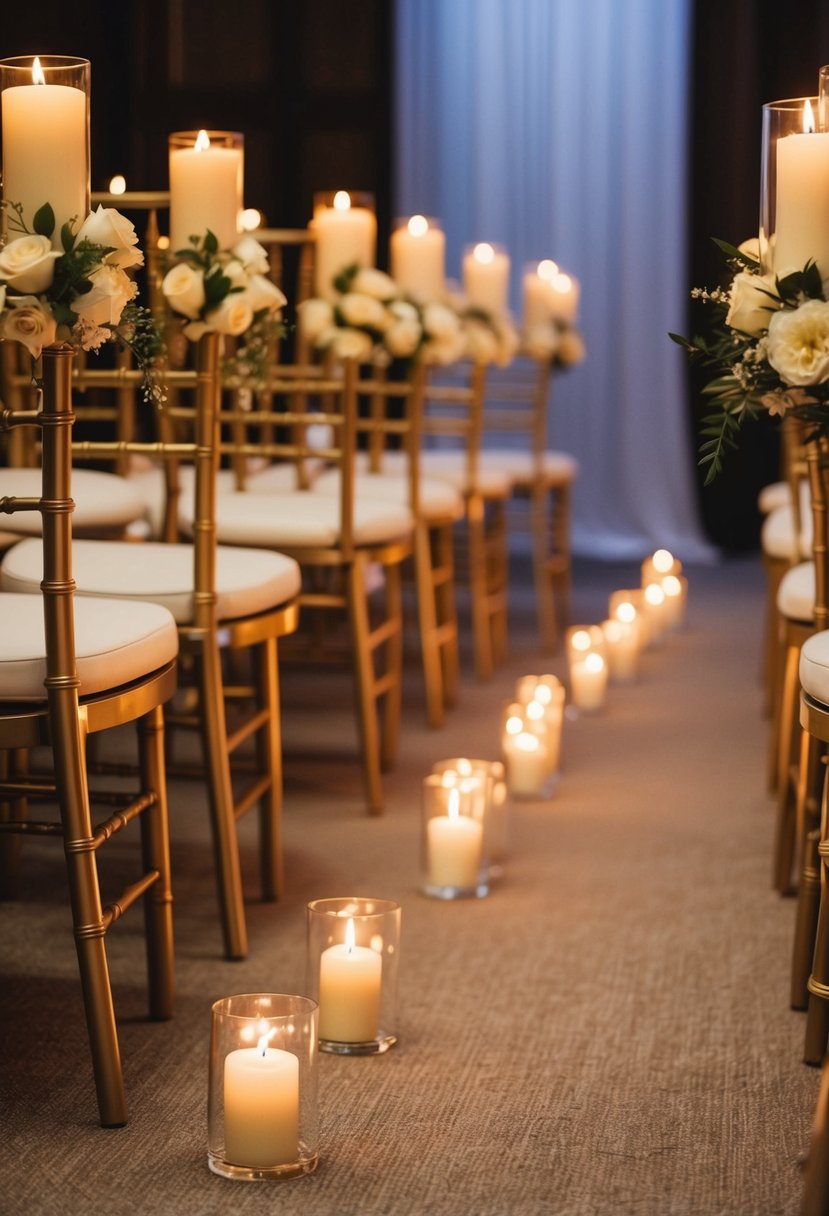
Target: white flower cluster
[[374, 321], [79, 294], [225, 291], [556, 341]]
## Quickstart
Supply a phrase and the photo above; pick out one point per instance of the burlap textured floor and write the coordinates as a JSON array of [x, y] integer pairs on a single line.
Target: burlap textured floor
[[607, 1033]]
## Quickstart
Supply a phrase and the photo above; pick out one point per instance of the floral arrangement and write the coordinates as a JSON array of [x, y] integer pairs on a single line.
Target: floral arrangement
[[370, 319], [227, 292], [767, 347], [557, 341], [80, 293]]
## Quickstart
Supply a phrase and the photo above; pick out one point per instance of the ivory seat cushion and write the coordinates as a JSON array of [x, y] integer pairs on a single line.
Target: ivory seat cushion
[[777, 534], [116, 642], [437, 500], [814, 666], [446, 466], [796, 593], [776, 494], [304, 520], [248, 581], [556, 468], [104, 502]]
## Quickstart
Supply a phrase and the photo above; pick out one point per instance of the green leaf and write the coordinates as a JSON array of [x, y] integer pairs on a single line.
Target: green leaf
[[44, 221], [211, 243], [343, 281], [67, 237]]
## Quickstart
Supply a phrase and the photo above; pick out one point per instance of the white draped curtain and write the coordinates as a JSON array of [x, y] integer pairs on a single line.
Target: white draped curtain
[[559, 128]]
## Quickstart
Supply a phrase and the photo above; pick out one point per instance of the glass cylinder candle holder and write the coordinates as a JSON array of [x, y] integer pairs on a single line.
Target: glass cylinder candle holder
[[455, 840], [656, 612], [537, 292], [658, 565], [493, 788], [794, 187], [206, 186], [622, 649], [45, 118], [586, 666], [353, 951], [675, 588], [485, 273], [417, 257], [345, 235], [628, 604], [531, 744], [262, 1115]]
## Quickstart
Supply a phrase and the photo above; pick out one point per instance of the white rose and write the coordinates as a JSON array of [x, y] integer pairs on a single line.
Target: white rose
[[753, 300], [195, 330], [751, 248], [114, 231], [508, 343], [481, 343], [315, 317], [103, 305], [251, 254], [404, 311], [184, 288], [374, 283], [541, 341], [571, 348], [234, 270], [28, 321], [262, 293], [28, 263], [351, 344], [798, 343], [440, 321], [233, 316], [402, 338], [362, 310], [445, 350]]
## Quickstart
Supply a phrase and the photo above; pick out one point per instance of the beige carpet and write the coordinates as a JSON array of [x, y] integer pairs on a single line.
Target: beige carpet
[[607, 1033]]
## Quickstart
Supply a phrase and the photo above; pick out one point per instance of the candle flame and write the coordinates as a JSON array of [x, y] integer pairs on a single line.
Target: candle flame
[[612, 630], [350, 935], [543, 693], [418, 225], [202, 141], [535, 711], [262, 1044], [37, 72], [808, 117], [547, 270], [483, 253], [626, 612], [514, 725], [562, 283], [527, 743], [671, 585], [342, 201], [118, 184], [453, 809], [654, 595], [594, 662], [249, 219], [662, 560], [580, 640], [464, 767]]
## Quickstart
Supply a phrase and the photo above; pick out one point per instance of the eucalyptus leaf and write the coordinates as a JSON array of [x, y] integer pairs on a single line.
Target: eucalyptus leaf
[[44, 221]]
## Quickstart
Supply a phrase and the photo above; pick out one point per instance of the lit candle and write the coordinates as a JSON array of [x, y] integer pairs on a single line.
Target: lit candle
[[802, 212], [453, 842], [538, 304], [588, 681], [676, 597], [622, 644], [629, 605], [205, 188], [45, 150], [654, 598], [261, 1106], [564, 294], [350, 977], [528, 764], [659, 564], [345, 235], [486, 278], [417, 253]]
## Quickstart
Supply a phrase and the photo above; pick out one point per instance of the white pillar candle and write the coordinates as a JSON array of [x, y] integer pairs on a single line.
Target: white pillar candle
[[629, 605], [527, 759], [538, 304], [453, 846], [564, 296], [675, 588], [350, 978], [802, 208], [261, 1106], [588, 681], [659, 564], [344, 235], [45, 151], [206, 182], [657, 614], [622, 649], [485, 273], [417, 253]]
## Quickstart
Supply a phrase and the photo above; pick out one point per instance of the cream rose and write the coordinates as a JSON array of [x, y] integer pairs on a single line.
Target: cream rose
[[571, 348], [315, 317], [358, 309], [445, 350], [753, 300], [402, 338], [751, 248], [351, 344], [111, 291], [28, 321], [440, 321], [28, 263], [184, 288], [252, 255], [481, 343], [114, 231], [404, 311], [232, 316], [262, 293], [797, 346], [374, 283], [541, 341]]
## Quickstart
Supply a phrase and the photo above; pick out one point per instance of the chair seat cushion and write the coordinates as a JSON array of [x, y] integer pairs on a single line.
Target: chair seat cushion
[[248, 581], [116, 642], [796, 593], [304, 520], [555, 468], [104, 502], [777, 534], [446, 466], [776, 494], [437, 500], [814, 666]]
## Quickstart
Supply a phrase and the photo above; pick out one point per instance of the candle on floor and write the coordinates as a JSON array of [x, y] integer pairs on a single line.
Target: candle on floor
[[491, 809], [629, 605], [45, 122], [528, 768], [622, 643], [350, 978], [485, 273], [417, 253], [261, 1106], [588, 681], [206, 183], [345, 229], [676, 595], [658, 565], [453, 840]]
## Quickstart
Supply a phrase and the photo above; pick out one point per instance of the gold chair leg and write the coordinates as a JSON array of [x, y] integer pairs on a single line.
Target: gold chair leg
[[781, 663], [269, 753], [155, 844], [816, 1177], [481, 619], [542, 575], [447, 610], [364, 682], [392, 666], [217, 767], [427, 616], [784, 847], [498, 579], [808, 906], [817, 1019], [12, 764]]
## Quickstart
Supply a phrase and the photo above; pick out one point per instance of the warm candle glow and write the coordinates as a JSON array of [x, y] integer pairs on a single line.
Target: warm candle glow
[[654, 595], [350, 937], [626, 611], [514, 725], [547, 270], [594, 662], [453, 809], [250, 219], [202, 141], [808, 118], [528, 743], [581, 640], [118, 184], [483, 253], [535, 711], [543, 694], [342, 201], [613, 630], [37, 72], [561, 283], [671, 586], [418, 225], [662, 560]]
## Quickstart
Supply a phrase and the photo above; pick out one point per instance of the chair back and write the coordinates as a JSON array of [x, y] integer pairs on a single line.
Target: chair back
[[817, 461], [517, 406], [453, 415]]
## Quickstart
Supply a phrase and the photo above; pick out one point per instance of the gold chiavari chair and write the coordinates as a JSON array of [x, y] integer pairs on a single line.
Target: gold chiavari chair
[[82, 667], [224, 599], [816, 1175], [338, 541]]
